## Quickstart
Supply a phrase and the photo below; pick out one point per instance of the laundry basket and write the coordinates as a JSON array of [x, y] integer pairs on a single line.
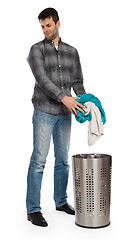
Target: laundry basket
[[92, 189]]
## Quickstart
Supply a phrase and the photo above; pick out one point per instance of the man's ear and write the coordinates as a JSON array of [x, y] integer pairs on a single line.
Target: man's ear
[[58, 24]]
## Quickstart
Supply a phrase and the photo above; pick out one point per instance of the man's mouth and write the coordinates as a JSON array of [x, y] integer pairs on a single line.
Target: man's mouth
[[47, 34]]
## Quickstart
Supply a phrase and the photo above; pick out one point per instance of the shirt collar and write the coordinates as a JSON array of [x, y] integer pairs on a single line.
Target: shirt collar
[[51, 42]]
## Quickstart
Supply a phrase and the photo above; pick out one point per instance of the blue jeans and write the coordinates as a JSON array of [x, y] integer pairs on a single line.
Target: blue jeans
[[45, 126]]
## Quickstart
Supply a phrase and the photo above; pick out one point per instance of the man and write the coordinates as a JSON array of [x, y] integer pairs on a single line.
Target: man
[[56, 68]]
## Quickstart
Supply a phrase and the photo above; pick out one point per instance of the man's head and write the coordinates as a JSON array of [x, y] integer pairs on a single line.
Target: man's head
[[50, 23], [48, 13]]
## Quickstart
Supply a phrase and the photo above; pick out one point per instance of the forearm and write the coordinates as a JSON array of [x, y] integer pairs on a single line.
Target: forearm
[[37, 65], [78, 88], [77, 82]]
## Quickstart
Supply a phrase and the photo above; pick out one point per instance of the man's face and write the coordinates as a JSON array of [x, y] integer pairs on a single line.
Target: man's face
[[50, 29]]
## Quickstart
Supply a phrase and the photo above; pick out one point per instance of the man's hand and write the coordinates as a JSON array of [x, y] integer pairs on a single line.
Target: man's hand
[[72, 104]]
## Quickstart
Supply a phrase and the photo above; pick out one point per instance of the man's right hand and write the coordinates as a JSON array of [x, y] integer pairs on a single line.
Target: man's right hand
[[72, 104]]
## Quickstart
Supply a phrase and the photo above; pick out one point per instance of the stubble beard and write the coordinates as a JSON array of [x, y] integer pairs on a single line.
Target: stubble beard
[[53, 35]]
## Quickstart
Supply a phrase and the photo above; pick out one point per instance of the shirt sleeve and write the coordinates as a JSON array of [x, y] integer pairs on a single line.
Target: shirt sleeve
[[77, 83], [37, 64]]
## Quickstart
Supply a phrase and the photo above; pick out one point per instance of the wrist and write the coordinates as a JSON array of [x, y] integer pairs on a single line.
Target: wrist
[[61, 96], [64, 99]]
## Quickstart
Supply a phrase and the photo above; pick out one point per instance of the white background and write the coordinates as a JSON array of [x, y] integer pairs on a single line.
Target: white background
[[106, 34]]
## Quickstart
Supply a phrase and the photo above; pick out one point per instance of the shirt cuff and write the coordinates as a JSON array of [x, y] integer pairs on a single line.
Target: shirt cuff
[[60, 96]]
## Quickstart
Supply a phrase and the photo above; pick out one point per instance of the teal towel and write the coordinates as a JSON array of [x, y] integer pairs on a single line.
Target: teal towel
[[81, 118]]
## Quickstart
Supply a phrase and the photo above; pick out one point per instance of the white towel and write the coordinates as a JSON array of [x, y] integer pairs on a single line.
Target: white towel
[[95, 128]]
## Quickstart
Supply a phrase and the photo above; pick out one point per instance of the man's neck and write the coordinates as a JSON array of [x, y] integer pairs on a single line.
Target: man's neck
[[56, 40]]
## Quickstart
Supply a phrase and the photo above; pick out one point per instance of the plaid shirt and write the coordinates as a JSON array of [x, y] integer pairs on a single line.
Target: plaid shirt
[[55, 73]]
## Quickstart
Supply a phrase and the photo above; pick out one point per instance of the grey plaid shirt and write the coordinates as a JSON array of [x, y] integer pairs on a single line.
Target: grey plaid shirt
[[55, 73]]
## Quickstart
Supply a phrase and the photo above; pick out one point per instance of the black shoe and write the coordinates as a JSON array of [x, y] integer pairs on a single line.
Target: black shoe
[[66, 208], [36, 218]]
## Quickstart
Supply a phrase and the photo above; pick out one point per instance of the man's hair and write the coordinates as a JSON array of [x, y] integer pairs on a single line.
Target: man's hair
[[48, 13]]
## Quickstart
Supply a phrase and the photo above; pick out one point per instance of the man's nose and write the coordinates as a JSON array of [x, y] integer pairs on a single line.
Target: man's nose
[[45, 29]]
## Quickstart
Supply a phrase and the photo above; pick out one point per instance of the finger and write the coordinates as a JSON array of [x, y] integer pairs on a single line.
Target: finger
[[74, 111], [82, 111], [80, 105]]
